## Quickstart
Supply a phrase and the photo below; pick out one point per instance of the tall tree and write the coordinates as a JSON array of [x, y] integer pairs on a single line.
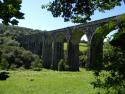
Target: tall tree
[[79, 11], [10, 11]]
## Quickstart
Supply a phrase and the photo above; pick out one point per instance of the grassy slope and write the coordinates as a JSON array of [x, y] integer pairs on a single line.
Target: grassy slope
[[47, 82]]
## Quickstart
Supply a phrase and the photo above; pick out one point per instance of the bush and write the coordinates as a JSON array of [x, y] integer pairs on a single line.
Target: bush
[[27, 58], [62, 66], [37, 63], [4, 64], [114, 74], [12, 56], [83, 59]]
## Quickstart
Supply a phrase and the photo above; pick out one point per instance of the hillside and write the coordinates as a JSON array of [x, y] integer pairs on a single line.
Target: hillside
[[18, 31]]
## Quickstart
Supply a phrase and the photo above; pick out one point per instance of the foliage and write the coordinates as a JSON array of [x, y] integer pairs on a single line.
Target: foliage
[[13, 56], [119, 40], [83, 58], [62, 66], [79, 11], [16, 57], [37, 63], [98, 37], [114, 75], [113, 61], [105, 29], [15, 31], [10, 11]]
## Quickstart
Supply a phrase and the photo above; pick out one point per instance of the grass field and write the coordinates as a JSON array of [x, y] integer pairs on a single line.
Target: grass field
[[82, 46], [48, 82]]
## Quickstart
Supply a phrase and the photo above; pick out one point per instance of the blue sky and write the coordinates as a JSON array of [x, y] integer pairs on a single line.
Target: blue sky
[[37, 18]]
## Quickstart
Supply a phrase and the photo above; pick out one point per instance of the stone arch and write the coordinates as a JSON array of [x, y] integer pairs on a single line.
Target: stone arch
[[70, 34], [73, 50], [96, 46], [58, 49]]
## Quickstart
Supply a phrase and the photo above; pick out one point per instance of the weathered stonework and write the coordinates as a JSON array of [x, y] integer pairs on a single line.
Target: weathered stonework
[[73, 56], [58, 50], [47, 50], [49, 45]]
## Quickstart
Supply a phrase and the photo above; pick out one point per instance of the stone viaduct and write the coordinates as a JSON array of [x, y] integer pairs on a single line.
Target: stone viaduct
[[50, 45]]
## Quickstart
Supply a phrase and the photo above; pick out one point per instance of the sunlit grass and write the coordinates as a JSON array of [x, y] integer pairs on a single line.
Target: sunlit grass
[[82, 46], [48, 82]]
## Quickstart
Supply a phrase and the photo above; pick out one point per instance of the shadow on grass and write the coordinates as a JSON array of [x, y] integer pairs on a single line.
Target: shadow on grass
[[4, 75]]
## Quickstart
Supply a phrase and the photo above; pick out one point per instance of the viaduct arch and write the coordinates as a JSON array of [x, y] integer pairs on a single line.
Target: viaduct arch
[[50, 44]]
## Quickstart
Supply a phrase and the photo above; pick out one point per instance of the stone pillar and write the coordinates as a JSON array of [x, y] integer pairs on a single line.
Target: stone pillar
[[73, 56], [37, 44], [40, 48], [32, 43], [29, 44], [73, 50], [36, 47], [95, 53], [58, 54], [47, 50], [58, 50], [40, 43]]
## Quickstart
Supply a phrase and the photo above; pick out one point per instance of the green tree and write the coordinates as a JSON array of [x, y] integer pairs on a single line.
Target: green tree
[[12, 56], [79, 11], [10, 11]]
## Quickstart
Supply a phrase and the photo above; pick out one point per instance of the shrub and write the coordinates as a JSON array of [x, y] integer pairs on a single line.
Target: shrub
[[83, 58], [27, 58], [114, 75], [4, 64], [16, 57], [12, 56], [62, 66], [37, 63]]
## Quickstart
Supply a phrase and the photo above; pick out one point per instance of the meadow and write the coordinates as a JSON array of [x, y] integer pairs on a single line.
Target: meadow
[[48, 82], [82, 46]]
